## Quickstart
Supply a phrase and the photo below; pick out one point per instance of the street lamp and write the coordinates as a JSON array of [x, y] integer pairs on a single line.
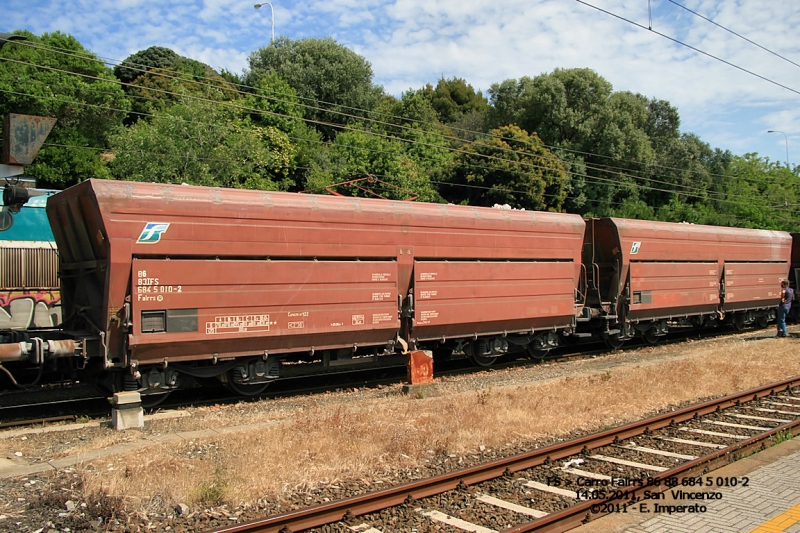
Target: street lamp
[[272, 11], [787, 144]]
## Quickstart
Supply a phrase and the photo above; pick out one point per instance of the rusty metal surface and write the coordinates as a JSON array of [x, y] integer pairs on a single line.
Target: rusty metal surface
[[753, 284], [673, 288], [268, 305], [664, 241], [61, 348], [420, 367], [462, 298], [14, 351], [103, 225], [23, 136], [679, 268], [375, 501]]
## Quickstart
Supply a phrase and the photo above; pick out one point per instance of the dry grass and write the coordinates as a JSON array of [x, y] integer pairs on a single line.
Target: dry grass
[[324, 442]]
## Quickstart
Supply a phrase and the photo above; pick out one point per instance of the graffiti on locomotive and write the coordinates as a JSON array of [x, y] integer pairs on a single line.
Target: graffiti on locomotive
[[23, 309]]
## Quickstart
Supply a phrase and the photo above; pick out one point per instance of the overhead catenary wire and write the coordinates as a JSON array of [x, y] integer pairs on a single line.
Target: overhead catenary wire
[[622, 171], [589, 178], [437, 182], [734, 33], [698, 50], [226, 87]]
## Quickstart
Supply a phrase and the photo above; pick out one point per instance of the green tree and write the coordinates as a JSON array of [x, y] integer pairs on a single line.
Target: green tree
[[576, 111], [507, 100], [139, 63], [60, 79], [511, 167], [455, 99], [357, 153], [158, 78], [203, 143], [274, 102], [761, 194], [413, 120], [332, 80]]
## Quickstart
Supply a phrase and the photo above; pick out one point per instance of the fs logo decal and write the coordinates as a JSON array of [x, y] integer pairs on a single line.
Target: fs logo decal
[[635, 248], [152, 232]]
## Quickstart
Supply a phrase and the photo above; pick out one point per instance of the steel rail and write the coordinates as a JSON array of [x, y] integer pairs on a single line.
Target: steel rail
[[371, 502], [37, 421], [579, 514]]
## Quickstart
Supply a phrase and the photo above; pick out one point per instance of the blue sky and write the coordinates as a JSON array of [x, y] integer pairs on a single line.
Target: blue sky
[[413, 42]]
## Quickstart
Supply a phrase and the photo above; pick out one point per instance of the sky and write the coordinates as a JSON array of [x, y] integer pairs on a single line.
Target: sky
[[411, 43]]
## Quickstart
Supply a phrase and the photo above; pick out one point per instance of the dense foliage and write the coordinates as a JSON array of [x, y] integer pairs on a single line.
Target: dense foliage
[[307, 116], [73, 86]]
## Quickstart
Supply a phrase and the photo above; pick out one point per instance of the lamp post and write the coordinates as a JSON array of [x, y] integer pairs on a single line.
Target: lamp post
[[272, 12], [785, 138]]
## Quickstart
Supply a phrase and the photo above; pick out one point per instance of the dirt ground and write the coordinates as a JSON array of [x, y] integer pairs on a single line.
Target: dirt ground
[[232, 463]]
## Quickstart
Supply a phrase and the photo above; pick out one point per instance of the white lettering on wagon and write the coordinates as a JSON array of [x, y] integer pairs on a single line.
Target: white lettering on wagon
[[380, 296], [428, 276], [424, 295], [426, 316], [148, 285], [381, 276], [238, 324], [377, 318]]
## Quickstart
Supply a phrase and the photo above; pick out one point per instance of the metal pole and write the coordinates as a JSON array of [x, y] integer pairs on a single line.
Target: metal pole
[[272, 12], [786, 139]]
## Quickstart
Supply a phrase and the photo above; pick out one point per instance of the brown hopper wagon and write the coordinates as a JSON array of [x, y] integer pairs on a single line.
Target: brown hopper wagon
[[170, 279], [649, 274], [161, 283]]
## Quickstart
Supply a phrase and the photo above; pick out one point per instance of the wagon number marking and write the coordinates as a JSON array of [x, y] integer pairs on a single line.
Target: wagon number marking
[[148, 285]]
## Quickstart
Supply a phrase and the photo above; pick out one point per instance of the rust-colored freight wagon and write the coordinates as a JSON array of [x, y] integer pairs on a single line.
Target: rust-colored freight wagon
[[649, 273], [167, 276], [794, 274]]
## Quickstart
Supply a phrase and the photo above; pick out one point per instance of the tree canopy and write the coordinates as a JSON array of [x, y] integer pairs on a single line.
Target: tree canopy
[[510, 167], [307, 116], [332, 81], [54, 76], [200, 143]]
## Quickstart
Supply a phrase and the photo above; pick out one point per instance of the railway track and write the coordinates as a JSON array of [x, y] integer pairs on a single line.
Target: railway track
[[22, 408], [558, 487]]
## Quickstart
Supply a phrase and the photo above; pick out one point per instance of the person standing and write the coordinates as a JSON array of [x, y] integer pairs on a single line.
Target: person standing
[[787, 296]]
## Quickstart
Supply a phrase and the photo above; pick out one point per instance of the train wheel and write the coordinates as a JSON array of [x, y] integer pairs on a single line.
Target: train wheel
[[738, 322], [475, 351], [153, 400], [536, 354], [762, 321], [483, 360], [649, 336], [613, 341], [247, 390]]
